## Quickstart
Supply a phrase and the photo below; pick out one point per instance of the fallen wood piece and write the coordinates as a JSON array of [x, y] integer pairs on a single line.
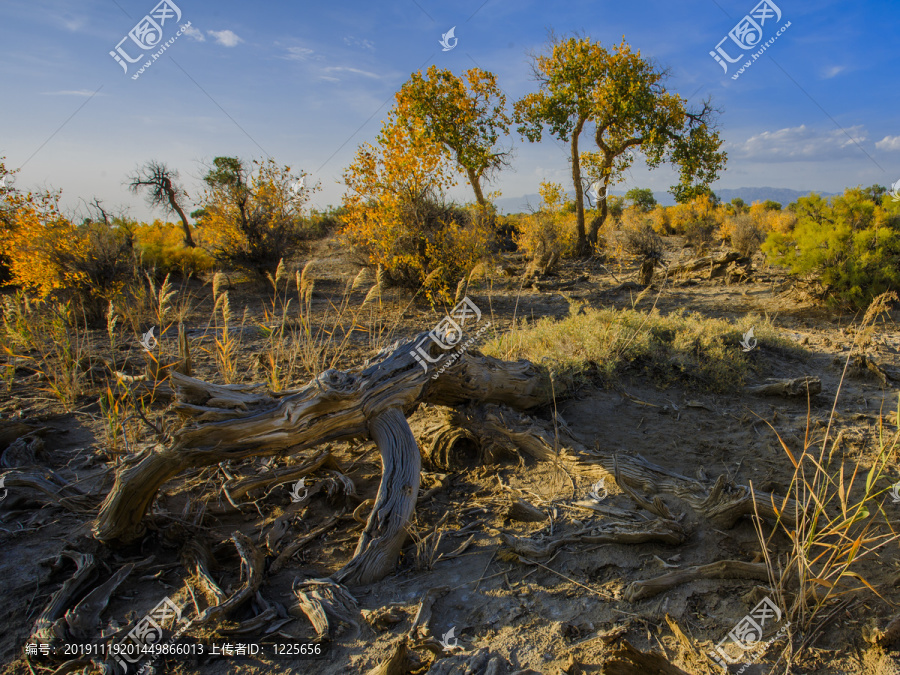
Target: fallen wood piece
[[196, 392], [722, 569], [323, 601], [420, 629], [23, 452], [626, 660], [83, 620], [296, 545], [657, 507], [50, 626], [10, 430], [525, 512], [591, 505], [196, 559], [252, 563], [558, 285], [712, 265], [401, 662], [495, 431], [457, 551], [239, 488], [723, 504], [798, 386], [609, 532], [55, 489]]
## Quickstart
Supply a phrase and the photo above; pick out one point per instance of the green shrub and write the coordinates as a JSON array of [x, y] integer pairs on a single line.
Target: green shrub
[[849, 243]]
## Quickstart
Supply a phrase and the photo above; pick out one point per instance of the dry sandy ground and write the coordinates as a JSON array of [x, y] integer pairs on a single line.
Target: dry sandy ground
[[546, 617]]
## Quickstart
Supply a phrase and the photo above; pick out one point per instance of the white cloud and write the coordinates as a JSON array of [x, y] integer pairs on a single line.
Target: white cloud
[[351, 41], [356, 71], [889, 143], [194, 34], [72, 92], [226, 38], [298, 54], [833, 71], [801, 143]]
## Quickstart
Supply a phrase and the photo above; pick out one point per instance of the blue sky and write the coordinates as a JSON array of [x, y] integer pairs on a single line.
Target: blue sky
[[307, 82]]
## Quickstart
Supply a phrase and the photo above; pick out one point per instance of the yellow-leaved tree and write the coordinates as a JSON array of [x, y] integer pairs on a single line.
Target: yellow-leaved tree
[[397, 214], [622, 98], [465, 114]]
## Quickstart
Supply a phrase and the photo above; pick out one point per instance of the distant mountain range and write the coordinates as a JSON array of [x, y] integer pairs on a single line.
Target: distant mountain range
[[783, 196]]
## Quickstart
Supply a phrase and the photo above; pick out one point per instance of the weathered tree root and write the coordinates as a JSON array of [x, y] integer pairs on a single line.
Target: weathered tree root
[[658, 530], [722, 569], [239, 488], [83, 620], [54, 488], [56, 625], [336, 406], [196, 559], [50, 627], [252, 573], [323, 601], [297, 544], [419, 633], [381, 540], [494, 430]]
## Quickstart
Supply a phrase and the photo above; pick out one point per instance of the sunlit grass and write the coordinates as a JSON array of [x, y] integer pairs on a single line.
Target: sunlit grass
[[681, 347]]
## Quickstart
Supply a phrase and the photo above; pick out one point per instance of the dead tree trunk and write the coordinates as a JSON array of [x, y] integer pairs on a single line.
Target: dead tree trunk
[[335, 406], [380, 543]]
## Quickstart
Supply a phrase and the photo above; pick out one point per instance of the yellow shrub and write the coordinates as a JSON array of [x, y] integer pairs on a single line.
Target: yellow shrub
[[161, 245], [38, 240], [770, 220], [660, 220], [700, 209], [549, 230]]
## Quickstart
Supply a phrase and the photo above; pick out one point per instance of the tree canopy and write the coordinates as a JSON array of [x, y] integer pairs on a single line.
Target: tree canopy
[[623, 98], [465, 114]]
